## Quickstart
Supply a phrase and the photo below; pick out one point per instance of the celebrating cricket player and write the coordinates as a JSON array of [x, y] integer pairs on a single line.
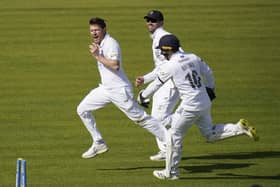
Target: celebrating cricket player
[[166, 97], [185, 70], [114, 88]]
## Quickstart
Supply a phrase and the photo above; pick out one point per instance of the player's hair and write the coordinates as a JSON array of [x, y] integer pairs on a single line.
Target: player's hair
[[97, 21]]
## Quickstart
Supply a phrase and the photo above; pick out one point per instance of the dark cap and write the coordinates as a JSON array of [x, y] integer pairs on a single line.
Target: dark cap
[[169, 42], [154, 14]]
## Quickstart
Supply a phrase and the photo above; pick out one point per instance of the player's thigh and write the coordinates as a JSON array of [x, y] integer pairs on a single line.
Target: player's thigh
[[204, 122], [164, 101], [123, 99], [182, 120], [95, 99]]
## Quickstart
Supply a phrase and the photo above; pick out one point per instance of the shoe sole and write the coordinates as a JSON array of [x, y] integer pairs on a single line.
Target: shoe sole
[[102, 151], [97, 153], [162, 177], [250, 130]]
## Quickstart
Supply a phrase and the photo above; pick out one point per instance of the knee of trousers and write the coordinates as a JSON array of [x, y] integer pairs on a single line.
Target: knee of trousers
[[81, 111]]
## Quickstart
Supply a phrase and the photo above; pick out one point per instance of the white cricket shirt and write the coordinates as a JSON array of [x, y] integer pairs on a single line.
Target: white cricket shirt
[[185, 70], [157, 57], [110, 48]]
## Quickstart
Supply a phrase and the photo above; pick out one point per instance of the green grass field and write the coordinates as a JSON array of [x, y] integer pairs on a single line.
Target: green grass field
[[46, 70]]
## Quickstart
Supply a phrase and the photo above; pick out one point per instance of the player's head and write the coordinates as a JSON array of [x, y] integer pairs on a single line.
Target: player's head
[[168, 44], [97, 27], [154, 19]]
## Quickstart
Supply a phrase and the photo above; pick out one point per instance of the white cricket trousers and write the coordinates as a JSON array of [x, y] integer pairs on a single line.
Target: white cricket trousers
[[182, 120], [164, 102], [122, 97]]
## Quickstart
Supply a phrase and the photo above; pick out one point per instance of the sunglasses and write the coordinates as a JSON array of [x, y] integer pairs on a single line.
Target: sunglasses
[[151, 20]]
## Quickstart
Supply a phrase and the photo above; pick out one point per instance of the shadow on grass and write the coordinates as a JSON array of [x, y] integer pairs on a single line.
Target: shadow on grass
[[237, 156], [217, 166], [190, 169], [206, 169], [230, 176]]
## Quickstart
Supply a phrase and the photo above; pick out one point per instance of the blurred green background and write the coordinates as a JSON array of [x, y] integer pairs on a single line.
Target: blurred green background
[[46, 69]]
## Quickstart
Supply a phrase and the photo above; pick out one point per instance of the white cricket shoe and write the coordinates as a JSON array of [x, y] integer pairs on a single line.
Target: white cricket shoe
[[158, 157], [94, 150], [248, 130], [161, 174]]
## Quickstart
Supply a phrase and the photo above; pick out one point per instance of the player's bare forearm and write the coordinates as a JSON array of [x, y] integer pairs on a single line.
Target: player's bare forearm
[[109, 63]]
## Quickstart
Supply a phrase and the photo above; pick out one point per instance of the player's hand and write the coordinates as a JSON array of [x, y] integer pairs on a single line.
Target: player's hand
[[211, 93], [94, 49], [143, 101], [139, 81]]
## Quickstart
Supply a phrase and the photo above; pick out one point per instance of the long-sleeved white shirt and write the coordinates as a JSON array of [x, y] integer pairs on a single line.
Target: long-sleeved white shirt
[[187, 71]]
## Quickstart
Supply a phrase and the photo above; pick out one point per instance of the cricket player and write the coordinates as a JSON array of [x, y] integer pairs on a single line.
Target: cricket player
[[114, 88], [166, 97], [184, 69]]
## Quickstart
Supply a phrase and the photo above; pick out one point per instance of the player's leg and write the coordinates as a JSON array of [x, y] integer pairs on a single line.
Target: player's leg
[[164, 102], [94, 100], [123, 99], [228, 130], [222, 131], [181, 122]]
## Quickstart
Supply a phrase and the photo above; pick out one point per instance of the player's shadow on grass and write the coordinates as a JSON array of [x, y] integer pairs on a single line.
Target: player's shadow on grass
[[231, 176], [223, 166], [237, 156], [209, 168], [217, 166], [191, 169], [228, 166], [206, 169]]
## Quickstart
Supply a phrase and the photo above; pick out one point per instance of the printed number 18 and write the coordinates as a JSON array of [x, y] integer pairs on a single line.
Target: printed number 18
[[194, 79]]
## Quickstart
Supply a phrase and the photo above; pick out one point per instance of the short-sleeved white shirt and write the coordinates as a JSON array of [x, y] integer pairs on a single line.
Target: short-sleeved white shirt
[[110, 48], [185, 72]]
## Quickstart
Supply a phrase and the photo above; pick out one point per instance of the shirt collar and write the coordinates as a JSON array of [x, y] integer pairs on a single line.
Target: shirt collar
[[106, 36], [174, 55]]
